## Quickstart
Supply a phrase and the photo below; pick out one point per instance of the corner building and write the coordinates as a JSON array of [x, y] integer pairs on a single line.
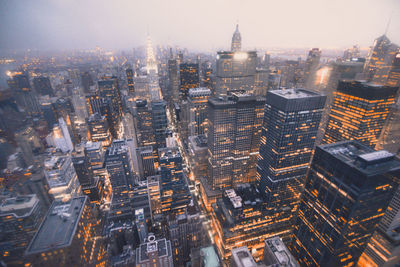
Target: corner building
[[348, 188]]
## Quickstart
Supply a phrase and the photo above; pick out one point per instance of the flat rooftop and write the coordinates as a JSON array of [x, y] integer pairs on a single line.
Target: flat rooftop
[[294, 93], [168, 152], [277, 254], [162, 247], [210, 257], [242, 257], [92, 145], [59, 226], [362, 157], [20, 206]]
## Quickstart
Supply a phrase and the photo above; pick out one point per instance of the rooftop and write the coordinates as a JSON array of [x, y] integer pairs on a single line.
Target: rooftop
[[59, 226], [362, 157], [277, 254], [294, 93], [92, 145], [242, 257], [161, 247], [169, 152], [200, 91], [20, 206], [210, 257]]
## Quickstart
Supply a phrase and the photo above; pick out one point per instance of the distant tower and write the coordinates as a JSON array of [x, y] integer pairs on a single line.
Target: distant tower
[[236, 40], [151, 62]]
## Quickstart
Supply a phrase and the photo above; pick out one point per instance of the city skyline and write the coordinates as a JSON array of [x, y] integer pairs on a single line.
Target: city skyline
[[125, 24]]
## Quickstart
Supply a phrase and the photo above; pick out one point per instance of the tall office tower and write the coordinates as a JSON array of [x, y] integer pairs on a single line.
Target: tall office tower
[[206, 73], [142, 88], [277, 254], [109, 91], [291, 73], [160, 122], [394, 73], [266, 61], [151, 62], [42, 86], [154, 253], [189, 76], [288, 136], [95, 153], [185, 232], [144, 124], [197, 110], [261, 82], [99, 130], [129, 79], [94, 103], [173, 80], [86, 81], [241, 257], [175, 194], [198, 156], [60, 137], [236, 40], [61, 176], [235, 72], [379, 60], [67, 237], [311, 67], [153, 185], [348, 188], [82, 165], [20, 217], [145, 161], [384, 247], [358, 112], [24, 95], [119, 164], [233, 139], [28, 140]]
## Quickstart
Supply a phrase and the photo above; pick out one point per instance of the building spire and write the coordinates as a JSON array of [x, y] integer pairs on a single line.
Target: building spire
[[236, 40], [388, 24]]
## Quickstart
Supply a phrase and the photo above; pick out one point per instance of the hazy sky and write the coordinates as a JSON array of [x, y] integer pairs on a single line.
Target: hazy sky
[[201, 25]]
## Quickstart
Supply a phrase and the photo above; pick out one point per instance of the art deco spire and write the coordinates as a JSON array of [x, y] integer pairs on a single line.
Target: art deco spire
[[236, 40], [151, 62]]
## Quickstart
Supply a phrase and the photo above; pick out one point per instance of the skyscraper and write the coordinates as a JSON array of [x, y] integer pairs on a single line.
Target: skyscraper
[[288, 135], [159, 122], [236, 40], [312, 63], [394, 73], [379, 60], [99, 130], [173, 81], [110, 93], [358, 112], [129, 79], [197, 110], [348, 188], [42, 86], [233, 139], [235, 72], [24, 95], [189, 76]]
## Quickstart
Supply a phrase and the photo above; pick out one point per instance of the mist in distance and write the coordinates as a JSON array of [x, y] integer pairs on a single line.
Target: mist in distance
[[200, 25]]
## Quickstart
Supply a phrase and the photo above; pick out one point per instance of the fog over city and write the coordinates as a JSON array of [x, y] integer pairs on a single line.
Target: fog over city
[[201, 25]]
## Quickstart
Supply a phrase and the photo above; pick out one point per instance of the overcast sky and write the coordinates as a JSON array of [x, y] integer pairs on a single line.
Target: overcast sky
[[200, 25]]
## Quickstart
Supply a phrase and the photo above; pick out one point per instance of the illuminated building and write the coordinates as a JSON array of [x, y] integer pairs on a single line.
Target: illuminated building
[[236, 40], [358, 112], [379, 60], [241, 257], [144, 124], [82, 166], [312, 63], [348, 188], [175, 194], [151, 63], [119, 164], [206, 71], [95, 154], [198, 155], [390, 136], [94, 103], [153, 185], [154, 253], [277, 254], [99, 130], [394, 74], [185, 231], [173, 80], [351, 53], [42, 86], [129, 79], [233, 139], [159, 121], [261, 82], [235, 72], [60, 137], [288, 136], [197, 110], [61, 176], [68, 237], [189, 77], [291, 73], [142, 90], [109, 92], [146, 161], [20, 217]]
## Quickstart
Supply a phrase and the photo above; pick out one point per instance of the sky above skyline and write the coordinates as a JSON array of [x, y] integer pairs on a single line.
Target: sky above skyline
[[203, 25]]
